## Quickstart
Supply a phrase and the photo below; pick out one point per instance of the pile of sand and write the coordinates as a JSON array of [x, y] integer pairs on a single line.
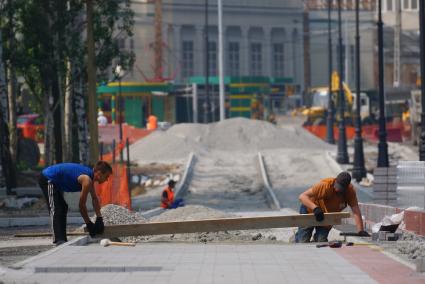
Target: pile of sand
[[236, 134]]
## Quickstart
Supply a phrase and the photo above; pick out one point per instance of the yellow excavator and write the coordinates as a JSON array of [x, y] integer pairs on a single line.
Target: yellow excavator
[[316, 113]]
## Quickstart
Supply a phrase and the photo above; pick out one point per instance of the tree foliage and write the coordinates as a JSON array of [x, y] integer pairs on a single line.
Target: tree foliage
[[49, 37], [49, 32]]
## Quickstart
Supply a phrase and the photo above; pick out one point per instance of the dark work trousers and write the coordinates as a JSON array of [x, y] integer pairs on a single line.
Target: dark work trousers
[[57, 207], [303, 235]]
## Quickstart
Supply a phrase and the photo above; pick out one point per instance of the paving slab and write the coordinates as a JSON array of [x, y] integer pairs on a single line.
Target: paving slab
[[211, 263]]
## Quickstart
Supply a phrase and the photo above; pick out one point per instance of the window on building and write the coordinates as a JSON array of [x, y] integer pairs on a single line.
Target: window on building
[[414, 5], [187, 59], [212, 58], [256, 59], [233, 59], [406, 4], [278, 60], [389, 5]]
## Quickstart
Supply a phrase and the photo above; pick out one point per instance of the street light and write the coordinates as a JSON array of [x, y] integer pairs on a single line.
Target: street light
[[119, 73], [342, 154], [382, 145], [422, 45], [207, 71], [359, 170], [330, 117]]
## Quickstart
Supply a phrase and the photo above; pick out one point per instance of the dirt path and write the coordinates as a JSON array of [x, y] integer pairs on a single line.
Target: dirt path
[[227, 181]]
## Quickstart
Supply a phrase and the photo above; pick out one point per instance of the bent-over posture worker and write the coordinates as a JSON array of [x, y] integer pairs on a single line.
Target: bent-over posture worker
[[329, 195], [69, 177], [167, 199]]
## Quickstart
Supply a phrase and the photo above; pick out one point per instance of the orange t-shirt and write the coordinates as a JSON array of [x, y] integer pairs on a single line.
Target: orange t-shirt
[[325, 196]]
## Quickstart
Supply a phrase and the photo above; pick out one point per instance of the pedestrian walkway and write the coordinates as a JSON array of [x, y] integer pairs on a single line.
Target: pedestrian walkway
[[212, 263]]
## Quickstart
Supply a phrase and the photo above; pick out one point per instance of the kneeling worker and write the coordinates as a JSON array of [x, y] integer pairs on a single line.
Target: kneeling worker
[[69, 177], [329, 195], [167, 199]]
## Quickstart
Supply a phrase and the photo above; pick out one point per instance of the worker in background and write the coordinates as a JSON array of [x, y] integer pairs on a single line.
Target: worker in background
[[69, 177], [101, 118], [152, 122], [167, 199], [329, 195]]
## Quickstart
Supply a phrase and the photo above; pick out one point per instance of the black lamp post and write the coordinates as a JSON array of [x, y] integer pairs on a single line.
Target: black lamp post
[[382, 145], [359, 170], [422, 45], [119, 72], [207, 69], [330, 117], [342, 154]]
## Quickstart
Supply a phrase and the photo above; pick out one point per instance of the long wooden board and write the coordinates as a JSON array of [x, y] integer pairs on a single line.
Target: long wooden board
[[226, 224]]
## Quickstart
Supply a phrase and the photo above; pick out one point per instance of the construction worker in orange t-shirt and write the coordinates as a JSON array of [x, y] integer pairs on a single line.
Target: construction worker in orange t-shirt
[[167, 200], [329, 195]]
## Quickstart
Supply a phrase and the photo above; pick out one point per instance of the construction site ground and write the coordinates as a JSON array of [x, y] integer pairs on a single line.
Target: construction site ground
[[225, 183]]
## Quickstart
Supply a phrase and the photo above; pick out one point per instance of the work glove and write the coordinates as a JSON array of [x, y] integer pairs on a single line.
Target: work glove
[[99, 226], [318, 213], [363, 234], [91, 229]]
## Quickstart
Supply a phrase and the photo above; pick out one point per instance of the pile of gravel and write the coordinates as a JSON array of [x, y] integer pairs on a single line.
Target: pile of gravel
[[235, 134], [118, 215], [411, 245], [190, 212]]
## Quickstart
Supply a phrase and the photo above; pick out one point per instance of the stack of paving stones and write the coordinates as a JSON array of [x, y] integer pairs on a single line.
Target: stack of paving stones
[[385, 186]]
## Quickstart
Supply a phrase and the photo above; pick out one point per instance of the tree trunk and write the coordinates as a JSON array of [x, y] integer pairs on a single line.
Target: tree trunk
[[67, 153], [80, 111], [49, 150], [13, 133], [91, 86], [5, 167]]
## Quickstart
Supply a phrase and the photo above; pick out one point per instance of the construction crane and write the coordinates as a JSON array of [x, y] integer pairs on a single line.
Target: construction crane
[[158, 47], [158, 40]]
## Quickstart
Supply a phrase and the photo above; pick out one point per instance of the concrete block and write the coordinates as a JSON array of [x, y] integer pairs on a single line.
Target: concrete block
[[380, 188], [380, 172], [392, 171], [392, 179], [415, 221], [384, 202], [385, 195], [420, 264], [382, 236], [380, 180]]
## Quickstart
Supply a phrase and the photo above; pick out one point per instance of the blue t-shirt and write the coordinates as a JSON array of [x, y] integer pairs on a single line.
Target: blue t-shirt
[[65, 176]]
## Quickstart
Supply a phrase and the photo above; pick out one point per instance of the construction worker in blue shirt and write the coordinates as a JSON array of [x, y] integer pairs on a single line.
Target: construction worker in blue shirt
[[70, 177]]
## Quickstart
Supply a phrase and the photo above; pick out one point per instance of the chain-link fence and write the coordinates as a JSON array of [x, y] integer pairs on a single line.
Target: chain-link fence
[[411, 183]]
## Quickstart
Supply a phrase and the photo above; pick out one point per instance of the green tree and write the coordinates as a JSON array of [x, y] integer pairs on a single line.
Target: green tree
[[50, 53]]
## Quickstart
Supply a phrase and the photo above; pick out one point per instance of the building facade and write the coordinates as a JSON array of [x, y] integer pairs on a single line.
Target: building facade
[[260, 38]]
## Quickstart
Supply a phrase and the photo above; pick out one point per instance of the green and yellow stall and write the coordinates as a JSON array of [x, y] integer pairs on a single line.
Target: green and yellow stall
[[138, 101]]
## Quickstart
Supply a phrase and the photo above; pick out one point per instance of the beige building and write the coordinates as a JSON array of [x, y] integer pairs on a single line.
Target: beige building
[[261, 38]]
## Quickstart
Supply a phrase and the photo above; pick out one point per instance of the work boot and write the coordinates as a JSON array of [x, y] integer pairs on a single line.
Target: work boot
[[60, 242]]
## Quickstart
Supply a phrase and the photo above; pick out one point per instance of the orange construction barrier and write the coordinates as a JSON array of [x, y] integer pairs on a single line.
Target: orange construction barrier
[[115, 190], [395, 132]]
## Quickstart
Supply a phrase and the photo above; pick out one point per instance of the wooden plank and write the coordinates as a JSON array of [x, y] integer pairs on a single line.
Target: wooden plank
[[226, 224]]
